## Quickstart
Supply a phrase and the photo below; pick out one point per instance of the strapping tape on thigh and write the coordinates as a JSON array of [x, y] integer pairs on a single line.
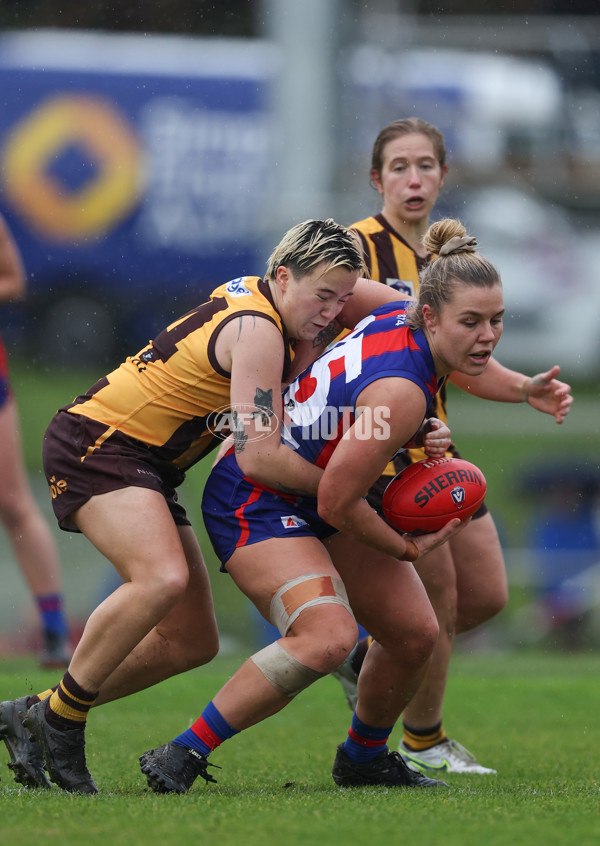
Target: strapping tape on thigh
[[305, 592]]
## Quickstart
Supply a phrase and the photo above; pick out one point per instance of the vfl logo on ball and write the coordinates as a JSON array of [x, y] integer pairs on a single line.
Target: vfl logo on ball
[[458, 496]]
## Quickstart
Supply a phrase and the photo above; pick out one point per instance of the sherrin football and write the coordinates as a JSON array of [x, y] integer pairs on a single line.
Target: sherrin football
[[430, 493]]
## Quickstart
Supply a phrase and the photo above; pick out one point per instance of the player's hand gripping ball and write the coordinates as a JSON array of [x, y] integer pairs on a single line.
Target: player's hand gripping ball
[[430, 493]]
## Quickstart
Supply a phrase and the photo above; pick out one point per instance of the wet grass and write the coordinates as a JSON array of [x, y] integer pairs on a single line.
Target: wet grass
[[533, 716]]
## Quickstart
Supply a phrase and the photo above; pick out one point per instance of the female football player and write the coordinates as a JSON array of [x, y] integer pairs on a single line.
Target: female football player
[[465, 579], [115, 456], [314, 567]]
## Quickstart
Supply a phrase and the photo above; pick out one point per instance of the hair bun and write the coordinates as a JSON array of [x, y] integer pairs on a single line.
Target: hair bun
[[456, 244], [443, 237]]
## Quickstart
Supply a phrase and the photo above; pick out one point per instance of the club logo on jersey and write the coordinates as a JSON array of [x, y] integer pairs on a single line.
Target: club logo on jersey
[[293, 522], [149, 355], [458, 495], [237, 288]]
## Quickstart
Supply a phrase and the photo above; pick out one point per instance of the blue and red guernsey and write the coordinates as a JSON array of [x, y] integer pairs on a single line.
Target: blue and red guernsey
[[320, 405]]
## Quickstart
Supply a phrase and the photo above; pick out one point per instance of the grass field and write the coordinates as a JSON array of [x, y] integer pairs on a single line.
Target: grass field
[[532, 716]]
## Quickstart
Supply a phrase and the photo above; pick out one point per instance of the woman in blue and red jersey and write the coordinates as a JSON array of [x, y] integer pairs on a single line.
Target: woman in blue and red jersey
[[465, 579], [315, 566]]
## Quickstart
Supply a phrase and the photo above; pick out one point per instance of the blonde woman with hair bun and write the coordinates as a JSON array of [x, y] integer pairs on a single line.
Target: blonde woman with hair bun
[[465, 579]]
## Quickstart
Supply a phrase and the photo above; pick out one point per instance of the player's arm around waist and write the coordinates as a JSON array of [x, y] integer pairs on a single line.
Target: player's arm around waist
[[434, 437], [255, 349], [392, 410]]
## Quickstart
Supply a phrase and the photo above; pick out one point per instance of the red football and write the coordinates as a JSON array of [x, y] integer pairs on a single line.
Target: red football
[[429, 493]]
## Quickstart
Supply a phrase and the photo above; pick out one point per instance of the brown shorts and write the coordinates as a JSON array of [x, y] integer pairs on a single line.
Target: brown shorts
[[119, 462], [401, 462]]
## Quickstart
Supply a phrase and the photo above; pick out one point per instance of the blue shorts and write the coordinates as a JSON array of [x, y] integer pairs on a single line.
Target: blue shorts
[[238, 512]]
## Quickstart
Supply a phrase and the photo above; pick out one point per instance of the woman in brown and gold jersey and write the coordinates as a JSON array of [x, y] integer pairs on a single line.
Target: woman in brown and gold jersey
[[115, 456]]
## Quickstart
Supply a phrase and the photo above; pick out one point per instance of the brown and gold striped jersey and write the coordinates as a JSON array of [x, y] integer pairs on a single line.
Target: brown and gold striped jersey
[[167, 395], [391, 260]]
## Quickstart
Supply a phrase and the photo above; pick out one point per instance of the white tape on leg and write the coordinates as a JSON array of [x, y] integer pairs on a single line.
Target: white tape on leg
[[305, 592], [283, 671]]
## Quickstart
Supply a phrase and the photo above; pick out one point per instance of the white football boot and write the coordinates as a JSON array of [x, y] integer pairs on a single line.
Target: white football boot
[[450, 756]]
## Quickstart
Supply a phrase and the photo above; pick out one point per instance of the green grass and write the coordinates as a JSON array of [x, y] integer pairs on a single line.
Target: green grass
[[533, 716]]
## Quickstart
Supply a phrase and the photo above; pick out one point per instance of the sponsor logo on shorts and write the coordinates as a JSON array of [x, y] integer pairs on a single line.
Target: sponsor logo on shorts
[[237, 288], [57, 486], [293, 522], [147, 473]]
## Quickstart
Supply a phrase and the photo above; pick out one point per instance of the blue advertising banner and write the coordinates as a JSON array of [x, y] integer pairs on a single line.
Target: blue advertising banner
[[134, 169]]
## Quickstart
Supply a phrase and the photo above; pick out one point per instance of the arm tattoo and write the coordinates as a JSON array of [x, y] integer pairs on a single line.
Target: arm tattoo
[[264, 402], [240, 322], [239, 436]]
